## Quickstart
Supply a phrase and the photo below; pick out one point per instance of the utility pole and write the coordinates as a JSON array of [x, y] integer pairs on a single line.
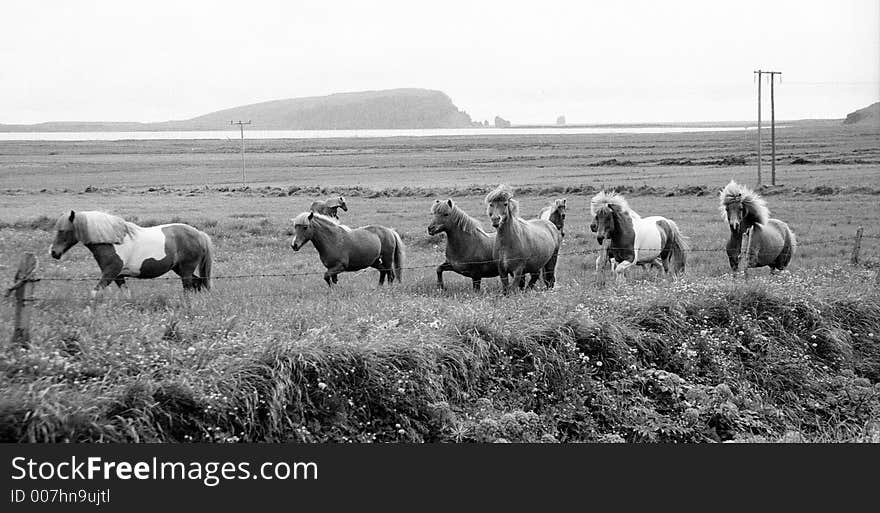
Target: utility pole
[[241, 125], [772, 125], [759, 125]]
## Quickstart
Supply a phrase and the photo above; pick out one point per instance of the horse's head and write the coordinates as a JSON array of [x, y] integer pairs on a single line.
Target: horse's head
[[557, 216], [302, 230], [733, 211], [442, 211], [342, 204], [500, 205], [65, 235], [500, 210], [605, 223]]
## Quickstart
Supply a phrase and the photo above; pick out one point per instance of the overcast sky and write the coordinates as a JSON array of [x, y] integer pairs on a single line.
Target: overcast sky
[[529, 62]]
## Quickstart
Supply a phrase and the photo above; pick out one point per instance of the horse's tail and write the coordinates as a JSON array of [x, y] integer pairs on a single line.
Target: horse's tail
[[788, 249], [399, 255], [679, 246], [205, 266]]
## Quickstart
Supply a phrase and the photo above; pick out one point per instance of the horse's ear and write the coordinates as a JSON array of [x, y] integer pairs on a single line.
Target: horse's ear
[[72, 215], [563, 202], [449, 202], [311, 215]]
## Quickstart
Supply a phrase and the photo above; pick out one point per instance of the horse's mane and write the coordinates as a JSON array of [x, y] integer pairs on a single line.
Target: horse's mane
[[605, 199], [751, 201], [94, 227], [504, 193], [459, 217], [303, 220]]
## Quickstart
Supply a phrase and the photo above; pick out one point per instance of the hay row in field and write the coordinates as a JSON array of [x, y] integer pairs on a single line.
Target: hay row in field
[[455, 191]]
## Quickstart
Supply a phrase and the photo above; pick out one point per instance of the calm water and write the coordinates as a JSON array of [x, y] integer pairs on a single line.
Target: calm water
[[330, 134]]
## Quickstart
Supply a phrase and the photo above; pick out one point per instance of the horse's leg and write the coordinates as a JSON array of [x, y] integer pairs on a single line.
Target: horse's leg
[[189, 282], [734, 246], [519, 277], [477, 282], [620, 269], [120, 282], [534, 279], [108, 276], [445, 266], [505, 284], [550, 271], [332, 272]]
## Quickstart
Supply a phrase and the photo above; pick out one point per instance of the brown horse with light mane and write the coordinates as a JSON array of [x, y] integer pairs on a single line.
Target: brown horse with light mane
[[468, 247], [521, 246], [344, 249]]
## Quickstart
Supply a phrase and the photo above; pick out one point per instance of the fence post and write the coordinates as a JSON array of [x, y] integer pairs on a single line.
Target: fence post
[[745, 256], [603, 262], [23, 289], [854, 259]]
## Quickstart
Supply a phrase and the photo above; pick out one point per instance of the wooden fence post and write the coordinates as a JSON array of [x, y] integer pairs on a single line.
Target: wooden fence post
[[603, 263], [854, 259], [745, 256], [23, 289]]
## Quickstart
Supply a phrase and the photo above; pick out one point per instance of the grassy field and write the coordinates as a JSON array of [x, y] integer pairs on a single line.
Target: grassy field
[[788, 357]]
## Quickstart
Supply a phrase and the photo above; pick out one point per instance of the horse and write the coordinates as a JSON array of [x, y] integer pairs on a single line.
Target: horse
[[636, 240], [344, 249], [555, 213], [468, 247], [124, 249], [330, 207], [773, 242], [521, 246]]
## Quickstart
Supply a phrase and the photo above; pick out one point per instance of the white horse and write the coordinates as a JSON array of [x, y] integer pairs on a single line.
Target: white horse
[[635, 240]]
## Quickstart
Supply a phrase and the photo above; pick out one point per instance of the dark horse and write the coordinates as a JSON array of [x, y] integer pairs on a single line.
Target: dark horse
[[773, 242], [345, 249], [123, 249]]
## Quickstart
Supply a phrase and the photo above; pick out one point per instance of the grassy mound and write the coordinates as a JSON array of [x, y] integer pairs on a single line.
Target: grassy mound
[[706, 361]]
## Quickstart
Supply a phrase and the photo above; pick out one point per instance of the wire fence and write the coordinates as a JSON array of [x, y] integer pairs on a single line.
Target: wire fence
[[584, 251]]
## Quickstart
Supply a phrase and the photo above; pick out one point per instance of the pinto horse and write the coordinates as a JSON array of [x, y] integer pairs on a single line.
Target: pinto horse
[[521, 246], [773, 242], [344, 249], [468, 247], [330, 207], [123, 249], [653, 241]]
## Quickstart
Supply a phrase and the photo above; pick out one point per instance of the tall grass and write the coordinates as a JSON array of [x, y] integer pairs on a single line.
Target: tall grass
[[784, 358]]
